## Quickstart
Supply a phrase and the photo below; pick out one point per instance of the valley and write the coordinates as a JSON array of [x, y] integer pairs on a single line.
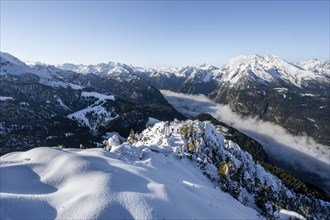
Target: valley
[[300, 155]]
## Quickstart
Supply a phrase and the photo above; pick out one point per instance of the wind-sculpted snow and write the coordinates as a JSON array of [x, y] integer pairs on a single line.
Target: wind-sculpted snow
[[87, 184], [300, 154]]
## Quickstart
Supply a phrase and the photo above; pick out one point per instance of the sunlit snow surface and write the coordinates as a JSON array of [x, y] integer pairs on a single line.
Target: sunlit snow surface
[[284, 214], [299, 154], [47, 183]]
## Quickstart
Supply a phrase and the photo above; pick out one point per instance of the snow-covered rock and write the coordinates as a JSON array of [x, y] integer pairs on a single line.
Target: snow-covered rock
[[168, 172]]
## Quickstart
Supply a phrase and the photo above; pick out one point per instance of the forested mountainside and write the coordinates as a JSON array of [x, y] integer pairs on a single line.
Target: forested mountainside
[[293, 95], [44, 105]]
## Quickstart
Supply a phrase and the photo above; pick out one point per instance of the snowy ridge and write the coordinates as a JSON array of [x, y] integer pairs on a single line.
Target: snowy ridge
[[160, 173], [103, 69], [6, 57], [10, 64], [242, 177], [261, 69], [316, 66], [267, 69], [48, 75]]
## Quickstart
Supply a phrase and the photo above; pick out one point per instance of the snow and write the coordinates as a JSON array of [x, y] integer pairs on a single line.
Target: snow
[[88, 184], [81, 115], [9, 58], [12, 65], [102, 69], [284, 214], [114, 140], [99, 96], [277, 142], [266, 69], [151, 121], [154, 177], [262, 69], [307, 94], [48, 75], [316, 66], [104, 115], [75, 86], [281, 89], [59, 100], [208, 77], [4, 98]]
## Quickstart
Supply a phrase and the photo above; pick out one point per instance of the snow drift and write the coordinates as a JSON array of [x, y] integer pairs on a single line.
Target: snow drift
[[60, 183]]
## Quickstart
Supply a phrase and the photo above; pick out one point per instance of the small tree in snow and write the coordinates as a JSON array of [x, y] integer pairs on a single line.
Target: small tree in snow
[[131, 137]]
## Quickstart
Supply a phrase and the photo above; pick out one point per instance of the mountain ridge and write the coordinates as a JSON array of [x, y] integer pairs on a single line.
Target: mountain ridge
[[309, 65], [44, 105], [267, 87]]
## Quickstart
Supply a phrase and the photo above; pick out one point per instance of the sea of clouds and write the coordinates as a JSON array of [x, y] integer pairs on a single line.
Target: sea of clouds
[[300, 155]]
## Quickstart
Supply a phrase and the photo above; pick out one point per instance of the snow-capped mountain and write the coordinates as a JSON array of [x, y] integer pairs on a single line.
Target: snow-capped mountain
[[293, 95], [184, 78], [275, 90], [239, 71], [267, 70], [177, 170], [44, 105], [316, 66], [102, 69]]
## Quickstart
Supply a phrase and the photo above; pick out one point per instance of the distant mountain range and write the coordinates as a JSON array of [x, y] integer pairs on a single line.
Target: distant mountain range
[[293, 95], [44, 105]]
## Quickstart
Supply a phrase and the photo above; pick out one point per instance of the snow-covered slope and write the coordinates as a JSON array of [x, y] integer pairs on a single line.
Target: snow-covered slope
[[265, 70], [10, 64], [169, 171], [316, 66], [96, 109], [130, 182], [47, 75], [102, 69]]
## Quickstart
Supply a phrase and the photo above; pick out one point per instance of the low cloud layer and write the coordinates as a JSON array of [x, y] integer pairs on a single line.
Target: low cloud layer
[[301, 155]]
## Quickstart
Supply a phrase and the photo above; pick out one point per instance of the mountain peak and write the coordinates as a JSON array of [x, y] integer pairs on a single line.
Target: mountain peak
[[11, 59], [254, 58]]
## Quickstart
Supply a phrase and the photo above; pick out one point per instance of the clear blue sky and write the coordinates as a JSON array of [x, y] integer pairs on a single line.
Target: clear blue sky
[[166, 33]]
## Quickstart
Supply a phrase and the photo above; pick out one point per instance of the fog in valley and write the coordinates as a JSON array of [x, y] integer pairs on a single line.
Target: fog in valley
[[300, 155]]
